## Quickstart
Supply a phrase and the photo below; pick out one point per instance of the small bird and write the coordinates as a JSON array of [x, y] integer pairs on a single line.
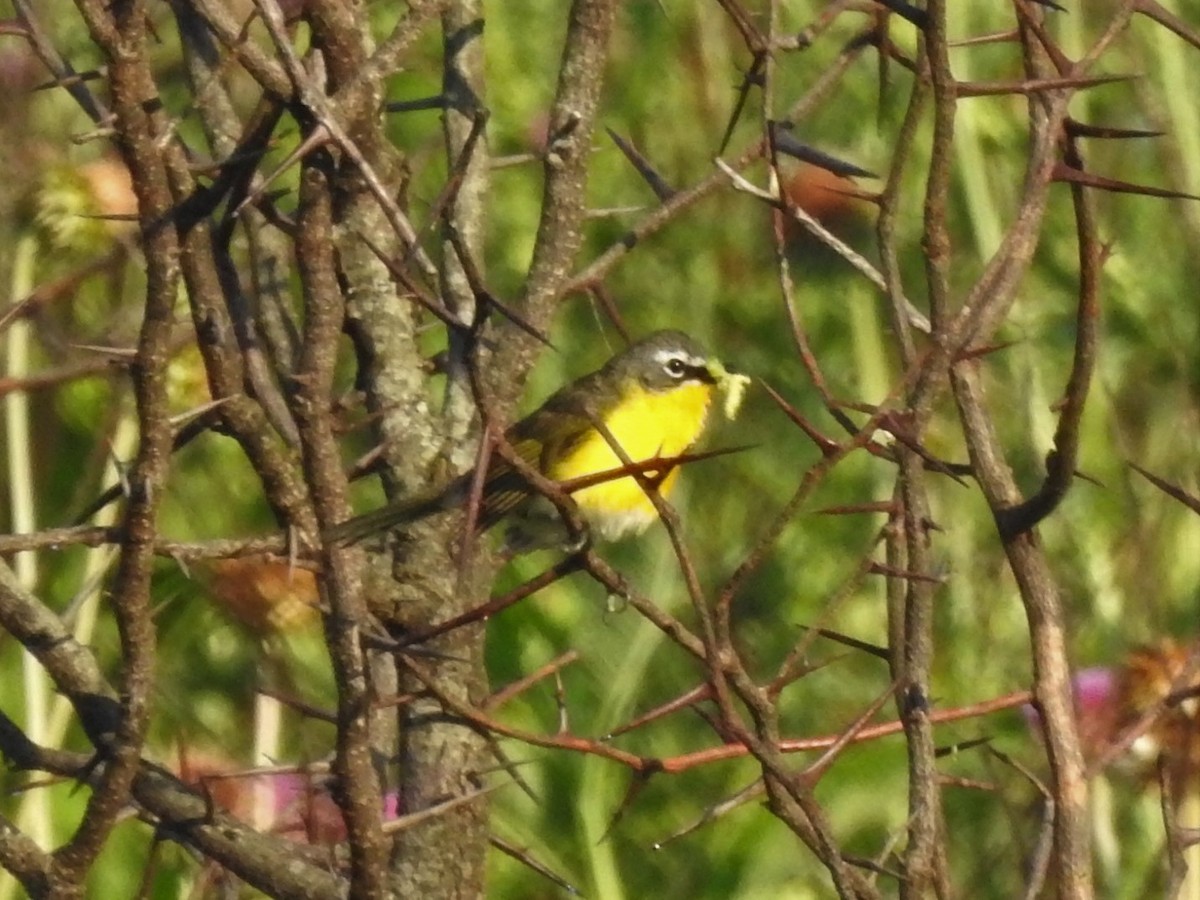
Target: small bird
[[653, 398]]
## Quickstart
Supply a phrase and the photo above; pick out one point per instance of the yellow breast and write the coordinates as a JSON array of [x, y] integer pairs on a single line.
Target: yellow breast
[[647, 426]]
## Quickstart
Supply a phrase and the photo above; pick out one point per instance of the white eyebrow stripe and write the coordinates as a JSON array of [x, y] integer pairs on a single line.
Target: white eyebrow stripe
[[664, 356]]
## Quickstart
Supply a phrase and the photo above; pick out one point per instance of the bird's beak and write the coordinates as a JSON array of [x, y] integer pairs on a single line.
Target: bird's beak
[[730, 383]]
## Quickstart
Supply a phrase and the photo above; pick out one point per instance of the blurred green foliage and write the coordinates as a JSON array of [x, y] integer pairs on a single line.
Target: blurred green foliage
[[1127, 557]]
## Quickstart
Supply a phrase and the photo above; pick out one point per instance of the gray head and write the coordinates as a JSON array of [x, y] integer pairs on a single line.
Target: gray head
[[664, 360]]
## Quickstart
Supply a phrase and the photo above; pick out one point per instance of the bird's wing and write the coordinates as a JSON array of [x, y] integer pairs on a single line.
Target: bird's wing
[[505, 488], [541, 437]]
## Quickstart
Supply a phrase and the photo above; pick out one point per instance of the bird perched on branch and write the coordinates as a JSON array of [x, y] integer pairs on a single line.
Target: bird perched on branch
[[651, 400]]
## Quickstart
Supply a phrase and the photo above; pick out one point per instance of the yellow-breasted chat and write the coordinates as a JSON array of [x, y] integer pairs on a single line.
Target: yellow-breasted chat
[[653, 399]]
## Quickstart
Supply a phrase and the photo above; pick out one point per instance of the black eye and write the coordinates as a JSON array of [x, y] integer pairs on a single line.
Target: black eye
[[675, 368]]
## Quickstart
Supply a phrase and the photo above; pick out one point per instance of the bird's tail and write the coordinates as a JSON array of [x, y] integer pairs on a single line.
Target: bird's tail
[[399, 512]]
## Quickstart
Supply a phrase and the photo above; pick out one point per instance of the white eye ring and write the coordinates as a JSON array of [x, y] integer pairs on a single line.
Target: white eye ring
[[675, 367]]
